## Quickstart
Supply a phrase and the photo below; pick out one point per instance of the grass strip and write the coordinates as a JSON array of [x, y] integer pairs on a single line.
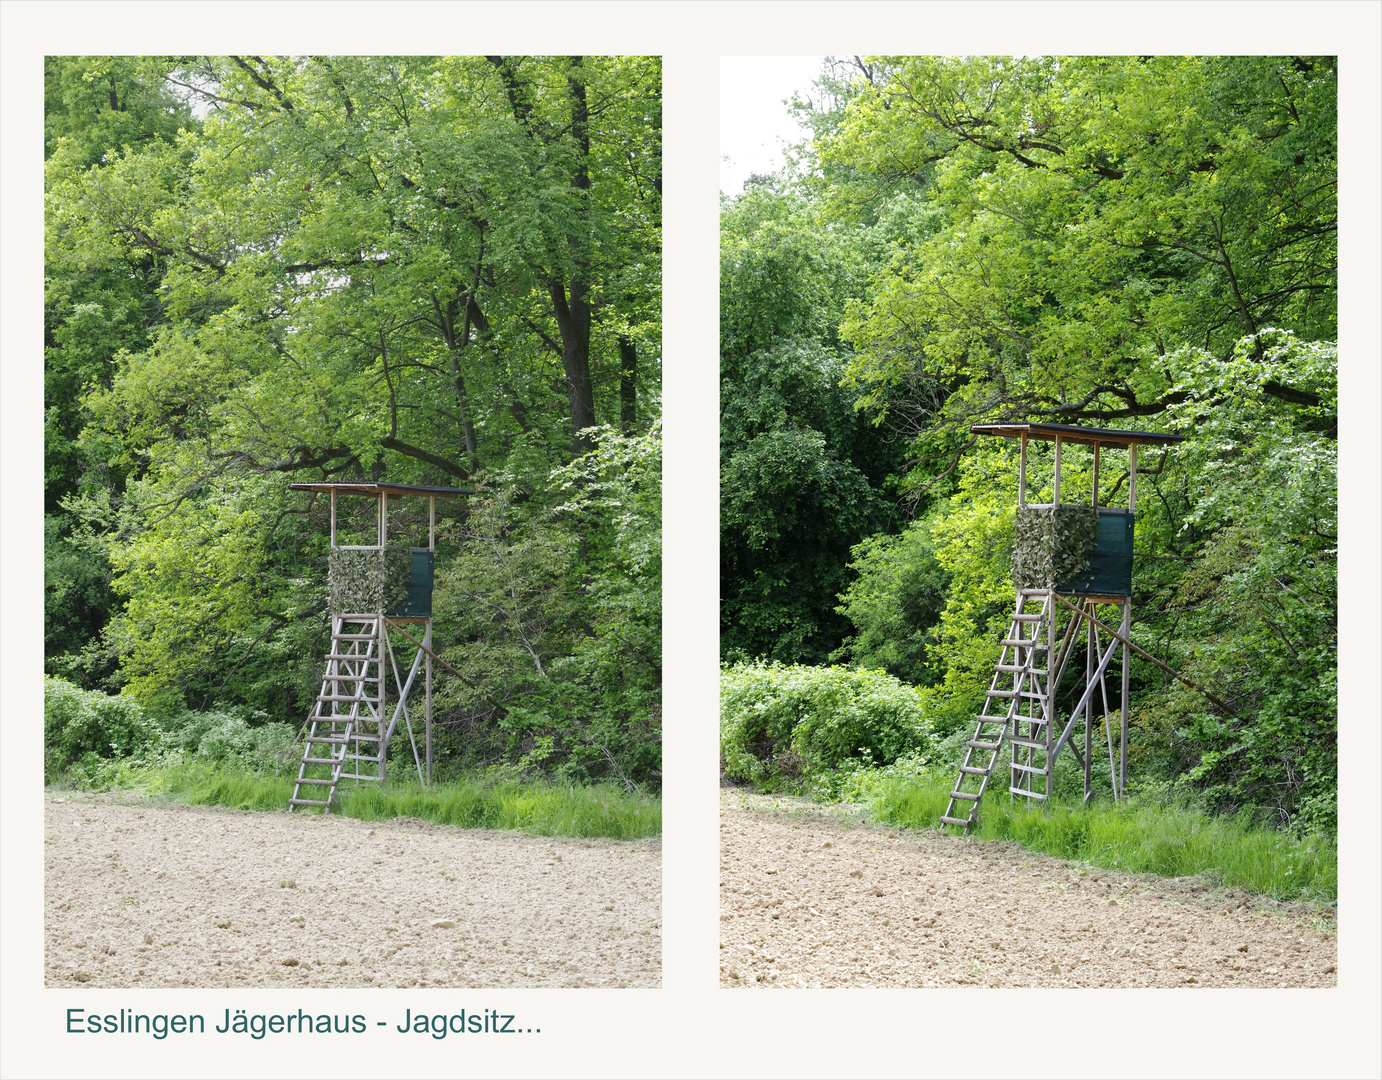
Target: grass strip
[[1139, 838], [536, 808]]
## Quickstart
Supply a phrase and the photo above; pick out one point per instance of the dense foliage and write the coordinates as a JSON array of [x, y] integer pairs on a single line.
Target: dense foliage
[[436, 270], [788, 726], [803, 475], [1136, 242]]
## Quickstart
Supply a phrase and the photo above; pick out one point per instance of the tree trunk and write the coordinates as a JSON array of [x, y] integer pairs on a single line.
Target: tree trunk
[[628, 382], [573, 321], [573, 317]]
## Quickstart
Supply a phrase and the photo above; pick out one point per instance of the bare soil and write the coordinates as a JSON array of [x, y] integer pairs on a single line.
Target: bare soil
[[149, 894], [811, 898]]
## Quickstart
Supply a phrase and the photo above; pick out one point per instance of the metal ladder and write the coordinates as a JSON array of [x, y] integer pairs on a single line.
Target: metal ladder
[[1016, 709], [345, 721]]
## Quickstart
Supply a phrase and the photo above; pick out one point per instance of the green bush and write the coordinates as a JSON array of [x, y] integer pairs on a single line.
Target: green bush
[[80, 724], [231, 735], [781, 724]]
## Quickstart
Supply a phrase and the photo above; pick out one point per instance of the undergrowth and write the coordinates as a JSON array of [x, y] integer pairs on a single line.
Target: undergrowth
[[480, 803], [1138, 835]]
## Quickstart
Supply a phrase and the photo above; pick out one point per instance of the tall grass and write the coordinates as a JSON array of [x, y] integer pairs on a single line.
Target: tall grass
[[540, 809], [1141, 838]]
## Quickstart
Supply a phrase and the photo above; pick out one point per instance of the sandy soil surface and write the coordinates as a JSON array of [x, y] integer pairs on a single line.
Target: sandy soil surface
[[814, 899], [149, 894]]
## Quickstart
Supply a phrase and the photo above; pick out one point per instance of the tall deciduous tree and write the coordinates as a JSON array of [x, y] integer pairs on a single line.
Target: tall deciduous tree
[[430, 269], [1100, 212]]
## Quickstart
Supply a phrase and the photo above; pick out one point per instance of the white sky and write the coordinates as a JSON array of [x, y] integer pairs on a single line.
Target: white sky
[[754, 122]]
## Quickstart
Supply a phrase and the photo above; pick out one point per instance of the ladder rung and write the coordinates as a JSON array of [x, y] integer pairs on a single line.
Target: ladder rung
[[972, 771], [320, 761], [1022, 643], [353, 637], [1020, 617], [327, 738], [956, 821], [986, 719], [1030, 744], [983, 745], [1028, 768], [323, 783], [964, 795], [997, 693], [1029, 794], [307, 802], [358, 776], [346, 676], [347, 697], [1019, 667], [367, 656]]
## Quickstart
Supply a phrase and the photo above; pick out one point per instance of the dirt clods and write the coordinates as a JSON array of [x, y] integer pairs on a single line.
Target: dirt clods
[[146, 894], [862, 905]]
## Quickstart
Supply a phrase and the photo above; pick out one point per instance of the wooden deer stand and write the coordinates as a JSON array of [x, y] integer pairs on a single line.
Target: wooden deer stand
[[1050, 616], [376, 590]]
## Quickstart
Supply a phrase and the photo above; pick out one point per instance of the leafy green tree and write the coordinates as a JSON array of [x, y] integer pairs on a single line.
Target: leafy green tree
[[94, 108], [430, 269], [802, 473], [1251, 509], [552, 615], [1100, 213], [894, 604]]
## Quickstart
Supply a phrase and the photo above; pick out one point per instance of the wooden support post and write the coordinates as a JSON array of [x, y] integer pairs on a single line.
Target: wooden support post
[[427, 643], [1021, 472], [333, 518], [384, 519], [1125, 630], [1132, 478], [1088, 727], [1056, 497], [1094, 487]]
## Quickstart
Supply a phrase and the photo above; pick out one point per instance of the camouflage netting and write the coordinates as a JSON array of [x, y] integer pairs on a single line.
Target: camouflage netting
[[368, 582], [1052, 544]]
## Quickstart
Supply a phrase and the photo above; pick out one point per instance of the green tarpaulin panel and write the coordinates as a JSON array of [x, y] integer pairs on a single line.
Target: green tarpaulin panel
[[419, 601], [1110, 563]]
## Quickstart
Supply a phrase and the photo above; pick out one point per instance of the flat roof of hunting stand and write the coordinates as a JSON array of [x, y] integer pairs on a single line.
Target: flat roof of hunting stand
[[1071, 433], [369, 487]]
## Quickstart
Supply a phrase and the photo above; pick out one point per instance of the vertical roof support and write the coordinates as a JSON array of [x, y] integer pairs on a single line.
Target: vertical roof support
[[1132, 478], [1055, 498], [1094, 487], [1022, 472]]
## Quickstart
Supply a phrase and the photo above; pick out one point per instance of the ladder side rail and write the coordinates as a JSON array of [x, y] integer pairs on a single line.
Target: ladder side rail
[[1020, 763]]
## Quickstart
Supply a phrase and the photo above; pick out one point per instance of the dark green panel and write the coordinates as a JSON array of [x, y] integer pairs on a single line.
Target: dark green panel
[[1110, 564], [419, 601]]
